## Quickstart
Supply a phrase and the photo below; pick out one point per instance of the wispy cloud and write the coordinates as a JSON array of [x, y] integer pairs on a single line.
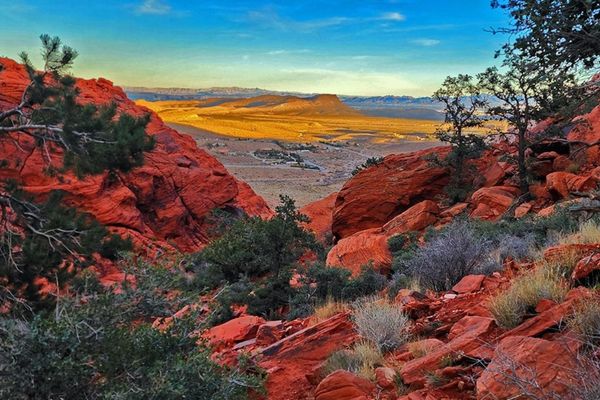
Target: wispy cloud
[[426, 42], [392, 16], [268, 17], [154, 7], [286, 52]]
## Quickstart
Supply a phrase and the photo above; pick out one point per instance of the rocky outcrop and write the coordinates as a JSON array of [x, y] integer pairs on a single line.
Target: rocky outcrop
[[377, 194], [320, 214], [530, 367], [163, 205], [344, 385]]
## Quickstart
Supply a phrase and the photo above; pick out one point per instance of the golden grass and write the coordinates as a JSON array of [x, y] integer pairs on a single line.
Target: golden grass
[[510, 307], [327, 310], [419, 348], [361, 359], [586, 321], [588, 233], [264, 124]]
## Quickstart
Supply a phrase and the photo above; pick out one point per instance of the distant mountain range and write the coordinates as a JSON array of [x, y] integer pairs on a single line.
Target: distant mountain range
[[382, 106]]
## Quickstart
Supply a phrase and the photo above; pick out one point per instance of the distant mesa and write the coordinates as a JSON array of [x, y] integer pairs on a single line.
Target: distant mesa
[[319, 105], [379, 106]]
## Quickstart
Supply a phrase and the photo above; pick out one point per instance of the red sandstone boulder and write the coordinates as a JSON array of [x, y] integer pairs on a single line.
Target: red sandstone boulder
[[470, 283], [235, 330], [493, 174], [385, 377], [320, 213], [525, 366], [586, 266], [490, 203], [564, 183], [416, 218], [588, 132], [361, 249], [473, 331], [163, 204], [292, 363], [376, 195], [344, 385]]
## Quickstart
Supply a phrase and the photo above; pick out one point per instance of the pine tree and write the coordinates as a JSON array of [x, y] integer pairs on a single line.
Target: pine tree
[[49, 241]]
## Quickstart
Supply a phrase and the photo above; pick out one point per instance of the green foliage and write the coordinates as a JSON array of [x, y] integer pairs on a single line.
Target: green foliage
[[46, 238], [371, 161], [254, 247], [320, 284], [557, 34], [463, 105], [100, 345], [94, 138], [54, 236]]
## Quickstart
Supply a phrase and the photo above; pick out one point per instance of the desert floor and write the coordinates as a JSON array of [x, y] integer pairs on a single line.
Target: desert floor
[[269, 178]]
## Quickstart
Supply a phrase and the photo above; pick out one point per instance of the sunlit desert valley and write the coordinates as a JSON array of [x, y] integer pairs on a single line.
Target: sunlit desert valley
[[273, 200]]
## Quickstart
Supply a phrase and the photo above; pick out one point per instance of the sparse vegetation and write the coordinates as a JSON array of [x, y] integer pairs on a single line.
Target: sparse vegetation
[[585, 321], [463, 105], [371, 161], [511, 306], [99, 344], [382, 323], [447, 258], [328, 309], [361, 359]]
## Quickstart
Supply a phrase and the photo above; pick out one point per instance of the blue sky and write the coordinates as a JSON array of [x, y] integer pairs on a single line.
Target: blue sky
[[400, 47]]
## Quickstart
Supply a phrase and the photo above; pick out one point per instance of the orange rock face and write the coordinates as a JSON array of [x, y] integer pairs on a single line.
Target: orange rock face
[[320, 213], [363, 248], [344, 385], [379, 193], [539, 367], [163, 204]]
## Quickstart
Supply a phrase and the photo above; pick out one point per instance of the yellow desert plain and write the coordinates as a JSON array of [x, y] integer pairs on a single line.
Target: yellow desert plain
[[320, 118]]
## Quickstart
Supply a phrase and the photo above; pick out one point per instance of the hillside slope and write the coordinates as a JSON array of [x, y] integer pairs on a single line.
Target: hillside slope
[[162, 205]]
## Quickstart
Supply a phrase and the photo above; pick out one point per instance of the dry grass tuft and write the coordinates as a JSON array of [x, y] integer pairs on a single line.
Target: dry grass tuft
[[361, 359], [511, 306], [588, 233], [585, 321], [330, 308], [382, 323]]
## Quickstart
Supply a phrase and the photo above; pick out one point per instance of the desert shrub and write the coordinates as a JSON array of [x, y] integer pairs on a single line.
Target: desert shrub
[[100, 344], [403, 248], [511, 306], [345, 360], [588, 232], [513, 246], [321, 283], [253, 247], [451, 255], [368, 282], [382, 323], [370, 162], [361, 359], [585, 321], [540, 231]]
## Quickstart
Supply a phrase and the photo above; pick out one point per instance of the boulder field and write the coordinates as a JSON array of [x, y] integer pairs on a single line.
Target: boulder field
[[163, 205]]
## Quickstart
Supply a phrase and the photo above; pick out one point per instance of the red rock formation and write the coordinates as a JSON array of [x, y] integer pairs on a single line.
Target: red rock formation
[[491, 202], [377, 194], [292, 363], [320, 213], [530, 367], [361, 249], [163, 204], [344, 385]]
